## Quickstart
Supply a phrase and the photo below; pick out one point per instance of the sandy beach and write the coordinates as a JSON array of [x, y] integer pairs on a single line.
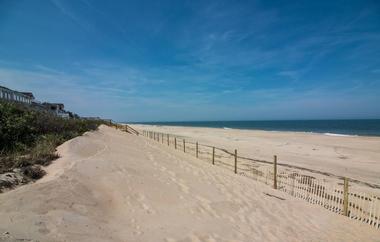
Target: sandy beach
[[356, 157], [109, 185]]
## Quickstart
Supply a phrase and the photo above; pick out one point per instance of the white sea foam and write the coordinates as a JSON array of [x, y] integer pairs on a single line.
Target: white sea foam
[[339, 135], [226, 128]]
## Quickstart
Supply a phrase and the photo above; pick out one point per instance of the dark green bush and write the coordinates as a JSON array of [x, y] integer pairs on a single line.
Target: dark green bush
[[33, 172], [29, 136]]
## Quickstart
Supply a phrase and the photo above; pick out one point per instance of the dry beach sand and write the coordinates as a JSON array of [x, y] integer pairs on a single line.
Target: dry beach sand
[[356, 157], [114, 186]]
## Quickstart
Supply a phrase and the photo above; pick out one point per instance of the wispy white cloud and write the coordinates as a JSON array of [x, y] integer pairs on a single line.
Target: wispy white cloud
[[291, 74], [66, 10], [133, 102]]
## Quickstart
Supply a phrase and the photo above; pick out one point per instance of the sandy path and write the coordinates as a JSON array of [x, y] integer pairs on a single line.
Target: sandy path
[[351, 156], [112, 186]]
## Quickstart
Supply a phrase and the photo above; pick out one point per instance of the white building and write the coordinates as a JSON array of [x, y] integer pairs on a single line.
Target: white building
[[28, 98], [12, 95], [57, 108]]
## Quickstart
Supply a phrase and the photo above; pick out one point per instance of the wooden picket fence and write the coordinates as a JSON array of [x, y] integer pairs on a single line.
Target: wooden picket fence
[[337, 198], [340, 198], [125, 128]]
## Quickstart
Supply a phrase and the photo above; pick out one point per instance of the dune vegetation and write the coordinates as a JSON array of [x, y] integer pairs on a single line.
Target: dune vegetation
[[29, 137]]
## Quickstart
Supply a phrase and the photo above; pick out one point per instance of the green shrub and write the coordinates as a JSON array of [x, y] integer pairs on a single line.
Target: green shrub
[[29, 136], [33, 172]]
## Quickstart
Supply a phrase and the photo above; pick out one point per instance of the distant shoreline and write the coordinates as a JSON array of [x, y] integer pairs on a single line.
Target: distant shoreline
[[256, 130], [356, 157], [348, 127]]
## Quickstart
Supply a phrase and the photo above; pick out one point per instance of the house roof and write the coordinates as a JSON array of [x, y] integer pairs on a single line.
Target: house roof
[[5, 88], [53, 104], [29, 94]]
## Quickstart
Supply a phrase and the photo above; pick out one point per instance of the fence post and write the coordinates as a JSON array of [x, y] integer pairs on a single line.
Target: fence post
[[345, 197], [184, 146], [175, 143], [158, 137], [162, 137], [275, 172], [168, 138], [196, 148], [235, 161], [213, 155]]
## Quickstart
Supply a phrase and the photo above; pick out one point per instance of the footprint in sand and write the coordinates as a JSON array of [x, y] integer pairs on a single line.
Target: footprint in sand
[[142, 200], [170, 240], [183, 187], [150, 156], [205, 207], [195, 238], [43, 229]]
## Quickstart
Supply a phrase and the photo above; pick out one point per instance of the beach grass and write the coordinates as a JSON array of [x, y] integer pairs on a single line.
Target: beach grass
[[29, 137]]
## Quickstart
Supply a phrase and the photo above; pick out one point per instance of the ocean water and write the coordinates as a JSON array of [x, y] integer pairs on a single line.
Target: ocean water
[[362, 127]]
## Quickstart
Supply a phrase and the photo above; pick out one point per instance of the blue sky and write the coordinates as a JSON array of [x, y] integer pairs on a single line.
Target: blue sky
[[195, 60]]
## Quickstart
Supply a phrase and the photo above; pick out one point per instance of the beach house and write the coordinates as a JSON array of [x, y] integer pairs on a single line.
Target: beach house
[[28, 98], [16, 96], [57, 108]]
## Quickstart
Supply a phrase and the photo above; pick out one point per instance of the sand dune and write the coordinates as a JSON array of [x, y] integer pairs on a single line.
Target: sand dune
[[113, 186]]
